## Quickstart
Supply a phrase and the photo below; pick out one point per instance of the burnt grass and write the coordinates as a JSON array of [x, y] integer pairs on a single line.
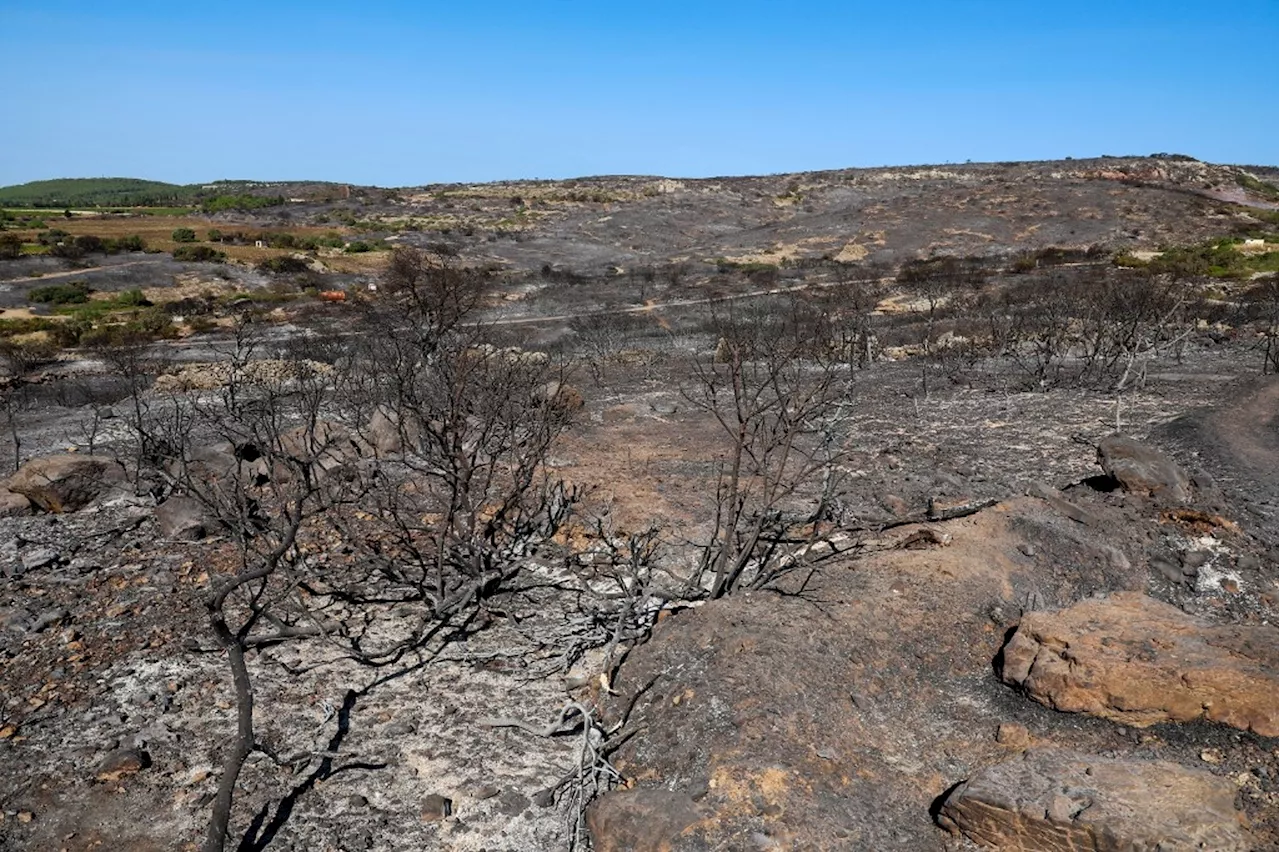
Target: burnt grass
[[630, 280]]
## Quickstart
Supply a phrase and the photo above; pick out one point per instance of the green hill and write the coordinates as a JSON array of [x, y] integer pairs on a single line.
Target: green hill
[[98, 192]]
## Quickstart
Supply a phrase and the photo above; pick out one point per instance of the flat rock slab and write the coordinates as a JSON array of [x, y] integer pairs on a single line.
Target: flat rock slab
[[1061, 801], [640, 820], [1135, 660]]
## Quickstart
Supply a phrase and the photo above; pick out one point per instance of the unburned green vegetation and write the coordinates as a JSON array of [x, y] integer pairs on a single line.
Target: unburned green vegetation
[[1224, 258]]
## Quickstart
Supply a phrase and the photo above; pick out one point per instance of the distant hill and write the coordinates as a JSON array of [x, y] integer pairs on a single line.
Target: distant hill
[[98, 192], [136, 192]]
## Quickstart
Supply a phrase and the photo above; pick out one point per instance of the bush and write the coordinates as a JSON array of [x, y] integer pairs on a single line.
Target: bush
[[184, 235], [68, 250], [198, 254], [89, 244], [134, 243], [132, 299], [75, 293], [10, 246]]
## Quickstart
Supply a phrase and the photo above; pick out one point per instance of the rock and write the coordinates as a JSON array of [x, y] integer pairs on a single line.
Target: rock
[[484, 791], [388, 434], [221, 462], [1166, 568], [639, 820], [12, 504], [1140, 662], [122, 762], [182, 518], [436, 807], [895, 504], [48, 619], [1013, 735], [1194, 559], [325, 445], [65, 483], [401, 728], [512, 803], [1141, 469], [1062, 505], [33, 560], [924, 538], [1058, 801], [562, 396]]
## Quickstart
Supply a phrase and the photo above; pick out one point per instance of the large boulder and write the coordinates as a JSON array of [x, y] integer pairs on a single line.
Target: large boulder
[[1135, 660], [326, 445], [1060, 801], [182, 518], [388, 433], [1141, 469], [67, 482], [222, 463]]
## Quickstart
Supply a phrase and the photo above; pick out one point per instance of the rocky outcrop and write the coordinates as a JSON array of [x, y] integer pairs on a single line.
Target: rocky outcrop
[[1138, 661], [211, 376], [1059, 801], [67, 482], [1141, 469]]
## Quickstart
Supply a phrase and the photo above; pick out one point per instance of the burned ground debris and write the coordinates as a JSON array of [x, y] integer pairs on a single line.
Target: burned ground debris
[[745, 513]]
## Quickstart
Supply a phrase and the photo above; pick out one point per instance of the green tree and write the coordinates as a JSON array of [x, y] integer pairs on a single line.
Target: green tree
[[184, 235]]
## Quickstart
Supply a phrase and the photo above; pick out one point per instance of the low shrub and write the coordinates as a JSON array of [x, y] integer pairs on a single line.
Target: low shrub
[[74, 293], [198, 254]]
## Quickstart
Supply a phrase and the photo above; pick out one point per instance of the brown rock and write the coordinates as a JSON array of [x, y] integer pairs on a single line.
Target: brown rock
[[12, 504], [1138, 661], [1013, 735], [895, 504], [1141, 469], [1059, 801], [122, 762], [640, 820], [436, 807], [67, 482]]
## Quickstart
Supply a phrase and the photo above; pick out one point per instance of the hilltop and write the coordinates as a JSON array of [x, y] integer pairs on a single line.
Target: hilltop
[[132, 192]]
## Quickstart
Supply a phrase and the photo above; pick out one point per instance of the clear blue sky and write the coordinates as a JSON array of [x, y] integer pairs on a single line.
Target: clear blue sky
[[403, 93]]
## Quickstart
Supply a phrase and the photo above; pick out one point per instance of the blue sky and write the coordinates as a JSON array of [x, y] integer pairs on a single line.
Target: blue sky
[[404, 93]]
